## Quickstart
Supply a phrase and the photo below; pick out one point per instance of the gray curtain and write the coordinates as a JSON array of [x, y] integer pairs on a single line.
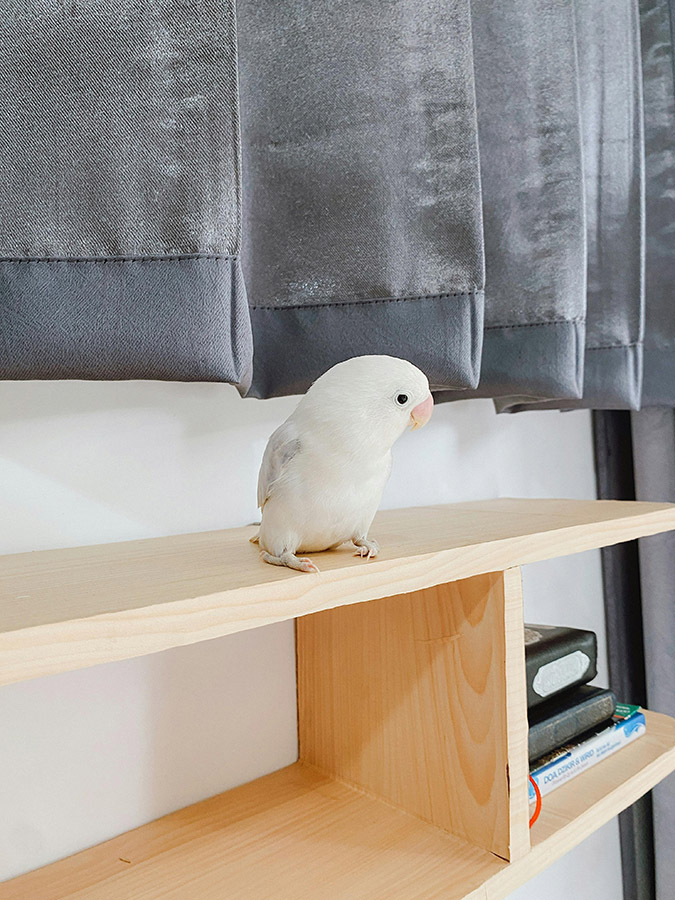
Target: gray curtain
[[527, 89], [653, 432], [658, 61], [120, 197], [628, 122], [482, 187], [610, 83], [362, 203], [608, 42], [635, 459], [615, 475]]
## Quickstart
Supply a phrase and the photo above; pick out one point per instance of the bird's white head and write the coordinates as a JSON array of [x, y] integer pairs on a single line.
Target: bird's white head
[[369, 401]]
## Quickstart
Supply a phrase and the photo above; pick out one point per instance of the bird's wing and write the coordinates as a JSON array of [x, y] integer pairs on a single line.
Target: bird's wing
[[283, 445]]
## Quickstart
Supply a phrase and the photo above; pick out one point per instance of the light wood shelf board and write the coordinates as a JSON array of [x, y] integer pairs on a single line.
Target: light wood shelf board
[[65, 609], [650, 756], [297, 834], [575, 810], [293, 834]]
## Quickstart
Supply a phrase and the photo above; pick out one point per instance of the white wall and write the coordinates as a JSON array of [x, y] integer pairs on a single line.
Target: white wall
[[88, 754]]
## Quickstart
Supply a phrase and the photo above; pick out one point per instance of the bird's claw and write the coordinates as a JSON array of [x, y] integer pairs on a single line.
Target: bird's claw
[[300, 563], [366, 548]]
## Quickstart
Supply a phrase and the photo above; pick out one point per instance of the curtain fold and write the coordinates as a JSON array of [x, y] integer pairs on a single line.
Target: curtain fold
[[658, 61], [635, 459], [653, 433], [610, 79], [527, 91], [120, 198], [485, 188], [362, 203]]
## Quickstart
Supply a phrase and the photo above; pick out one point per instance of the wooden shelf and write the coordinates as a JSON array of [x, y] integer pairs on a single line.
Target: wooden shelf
[[65, 609], [299, 834], [412, 773]]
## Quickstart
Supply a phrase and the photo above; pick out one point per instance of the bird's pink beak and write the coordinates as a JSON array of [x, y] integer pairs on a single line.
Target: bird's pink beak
[[421, 414]]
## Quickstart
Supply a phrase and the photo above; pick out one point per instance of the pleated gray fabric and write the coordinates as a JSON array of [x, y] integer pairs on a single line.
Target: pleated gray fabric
[[530, 148], [659, 101], [120, 192], [385, 156], [610, 79], [608, 41], [362, 203]]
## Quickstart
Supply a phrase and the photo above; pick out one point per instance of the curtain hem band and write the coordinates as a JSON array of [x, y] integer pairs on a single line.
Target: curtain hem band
[[612, 380], [440, 334], [545, 359], [659, 378], [171, 320]]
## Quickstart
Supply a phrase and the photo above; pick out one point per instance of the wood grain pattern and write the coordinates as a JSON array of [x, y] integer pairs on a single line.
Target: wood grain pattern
[[406, 697], [517, 726], [294, 834], [65, 609], [298, 835]]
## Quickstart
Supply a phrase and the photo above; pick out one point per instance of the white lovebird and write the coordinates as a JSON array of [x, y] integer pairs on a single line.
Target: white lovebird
[[324, 470]]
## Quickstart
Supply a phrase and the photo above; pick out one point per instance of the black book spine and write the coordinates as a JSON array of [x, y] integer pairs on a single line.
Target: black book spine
[[567, 716], [557, 659]]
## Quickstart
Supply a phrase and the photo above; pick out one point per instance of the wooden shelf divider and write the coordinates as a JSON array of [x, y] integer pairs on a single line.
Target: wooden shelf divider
[[412, 774], [420, 700]]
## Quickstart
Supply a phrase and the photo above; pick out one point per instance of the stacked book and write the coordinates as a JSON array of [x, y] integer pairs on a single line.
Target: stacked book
[[573, 724]]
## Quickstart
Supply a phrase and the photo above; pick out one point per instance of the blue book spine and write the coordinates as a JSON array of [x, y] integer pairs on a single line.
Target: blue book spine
[[576, 758]]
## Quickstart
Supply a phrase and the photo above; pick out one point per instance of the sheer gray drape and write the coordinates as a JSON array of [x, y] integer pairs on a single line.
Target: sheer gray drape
[[482, 187]]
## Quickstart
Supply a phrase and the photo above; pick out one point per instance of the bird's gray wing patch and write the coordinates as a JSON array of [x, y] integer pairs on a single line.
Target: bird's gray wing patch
[[283, 445]]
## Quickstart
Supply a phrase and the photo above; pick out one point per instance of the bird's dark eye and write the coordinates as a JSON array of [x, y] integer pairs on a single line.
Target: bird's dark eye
[[402, 399]]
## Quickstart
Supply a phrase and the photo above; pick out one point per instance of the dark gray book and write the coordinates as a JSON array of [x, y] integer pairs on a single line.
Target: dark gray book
[[567, 716], [557, 658]]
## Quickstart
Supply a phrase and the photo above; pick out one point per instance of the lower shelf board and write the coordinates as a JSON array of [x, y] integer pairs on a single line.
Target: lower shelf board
[[297, 834]]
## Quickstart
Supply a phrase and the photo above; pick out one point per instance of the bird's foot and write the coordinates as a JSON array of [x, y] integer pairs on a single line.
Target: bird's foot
[[301, 563], [366, 548], [255, 539]]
